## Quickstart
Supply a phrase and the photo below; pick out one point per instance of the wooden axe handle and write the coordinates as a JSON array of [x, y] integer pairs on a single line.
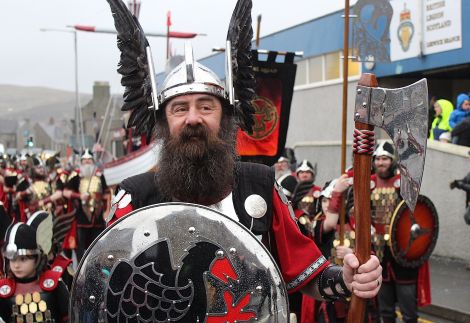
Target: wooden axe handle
[[362, 167]]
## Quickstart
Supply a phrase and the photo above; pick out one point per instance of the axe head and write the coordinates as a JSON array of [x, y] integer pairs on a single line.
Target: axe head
[[403, 114]]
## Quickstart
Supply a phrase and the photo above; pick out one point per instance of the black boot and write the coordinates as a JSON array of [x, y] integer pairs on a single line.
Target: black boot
[[388, 320]]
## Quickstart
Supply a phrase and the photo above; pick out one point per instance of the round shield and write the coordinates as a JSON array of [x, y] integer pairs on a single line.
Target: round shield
[[413, 236], [178, 262]]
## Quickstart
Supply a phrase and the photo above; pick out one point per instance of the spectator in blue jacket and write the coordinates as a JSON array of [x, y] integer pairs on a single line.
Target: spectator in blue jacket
[[462, 110]]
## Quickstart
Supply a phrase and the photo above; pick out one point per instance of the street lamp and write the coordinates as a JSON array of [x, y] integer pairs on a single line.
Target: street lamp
[[78, 110]]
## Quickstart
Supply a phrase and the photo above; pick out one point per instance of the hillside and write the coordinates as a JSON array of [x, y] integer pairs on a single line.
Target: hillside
[[37, 103]]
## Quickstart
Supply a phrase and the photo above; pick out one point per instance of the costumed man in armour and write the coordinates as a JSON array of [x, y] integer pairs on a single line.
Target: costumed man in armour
[[57, 177], [40, 197], [304, 198], [88, 191], [196, 125], [285, 177], [282, 168], [306, 190], [196, 120], [23, 163], [16, 191], [400, 283], [64, 233], [32, 291], [319, 225], [344, 190], [10, 179]]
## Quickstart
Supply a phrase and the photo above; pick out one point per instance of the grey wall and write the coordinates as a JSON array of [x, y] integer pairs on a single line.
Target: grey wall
[[444, 163], [316, 114]]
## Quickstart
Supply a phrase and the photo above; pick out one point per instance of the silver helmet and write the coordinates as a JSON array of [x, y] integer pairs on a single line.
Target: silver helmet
[[386, 149], [86, 155], [142, 97], [190, 77]]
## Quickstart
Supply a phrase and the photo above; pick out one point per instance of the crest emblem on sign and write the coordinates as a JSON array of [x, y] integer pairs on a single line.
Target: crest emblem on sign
[[266, 118], [405, 31]]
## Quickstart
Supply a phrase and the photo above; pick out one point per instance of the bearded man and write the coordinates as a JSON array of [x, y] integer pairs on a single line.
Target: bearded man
[[199, 164], [87, 190], [399, 282]]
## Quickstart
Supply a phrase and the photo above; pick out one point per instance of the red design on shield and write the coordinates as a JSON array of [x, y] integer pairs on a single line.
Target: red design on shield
[[223, 270], [235, 312]]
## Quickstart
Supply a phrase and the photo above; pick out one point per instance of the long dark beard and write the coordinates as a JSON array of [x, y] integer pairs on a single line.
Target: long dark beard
[[197, 166], [385, 174]]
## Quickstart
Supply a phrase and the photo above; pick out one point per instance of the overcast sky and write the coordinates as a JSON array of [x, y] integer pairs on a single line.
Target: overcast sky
[[34, 58]]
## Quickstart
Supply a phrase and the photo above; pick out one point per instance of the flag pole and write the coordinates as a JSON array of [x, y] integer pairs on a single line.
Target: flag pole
[[342, 217], [168, 24]]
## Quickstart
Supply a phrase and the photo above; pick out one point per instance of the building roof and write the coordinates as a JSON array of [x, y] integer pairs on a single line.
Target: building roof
[[57, 132]]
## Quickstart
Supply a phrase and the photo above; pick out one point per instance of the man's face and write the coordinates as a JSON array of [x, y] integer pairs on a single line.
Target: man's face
[[198, 150], [40, 170], [281, 166], [87, 161], [382, 165], [193, 110], [87, 167], [305, 176]]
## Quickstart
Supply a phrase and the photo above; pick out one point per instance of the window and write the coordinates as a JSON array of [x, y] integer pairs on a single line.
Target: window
[[332, 66], [354, 68], [327, 67], [301, 75], [315, 69]]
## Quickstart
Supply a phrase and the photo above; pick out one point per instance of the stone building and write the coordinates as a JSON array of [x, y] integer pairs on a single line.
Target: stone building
[[52, 135], [8, 133], [103, 112]]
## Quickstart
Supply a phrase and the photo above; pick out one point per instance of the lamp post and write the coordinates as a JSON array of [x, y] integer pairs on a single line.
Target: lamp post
[[78, 110]]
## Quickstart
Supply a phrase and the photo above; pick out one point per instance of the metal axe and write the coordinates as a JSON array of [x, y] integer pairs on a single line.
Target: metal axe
[[403, 114]]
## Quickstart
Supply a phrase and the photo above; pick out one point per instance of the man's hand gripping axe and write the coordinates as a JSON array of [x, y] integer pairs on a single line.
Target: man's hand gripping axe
[[403, 114]]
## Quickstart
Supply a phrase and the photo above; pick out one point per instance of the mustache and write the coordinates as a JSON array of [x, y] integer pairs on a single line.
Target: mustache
[[197, 138], [197, 131]]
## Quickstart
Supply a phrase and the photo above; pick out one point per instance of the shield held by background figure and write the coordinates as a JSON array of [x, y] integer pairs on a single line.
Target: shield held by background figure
[[413, 236], [178, 262]]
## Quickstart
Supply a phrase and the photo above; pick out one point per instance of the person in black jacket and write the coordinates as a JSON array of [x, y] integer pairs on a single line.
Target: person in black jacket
[[464, 184], [462, 132]]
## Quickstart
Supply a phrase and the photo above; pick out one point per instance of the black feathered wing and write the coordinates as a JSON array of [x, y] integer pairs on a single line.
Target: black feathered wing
[[240, 34], [133, 66]]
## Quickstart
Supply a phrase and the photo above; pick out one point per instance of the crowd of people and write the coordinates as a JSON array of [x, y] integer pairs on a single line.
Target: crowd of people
[[317, 210], [75, 200], [448, 124], [50, 212], [198, 164]]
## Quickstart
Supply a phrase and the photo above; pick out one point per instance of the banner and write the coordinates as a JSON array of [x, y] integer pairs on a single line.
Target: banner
[[371, 30], [274, 90]]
